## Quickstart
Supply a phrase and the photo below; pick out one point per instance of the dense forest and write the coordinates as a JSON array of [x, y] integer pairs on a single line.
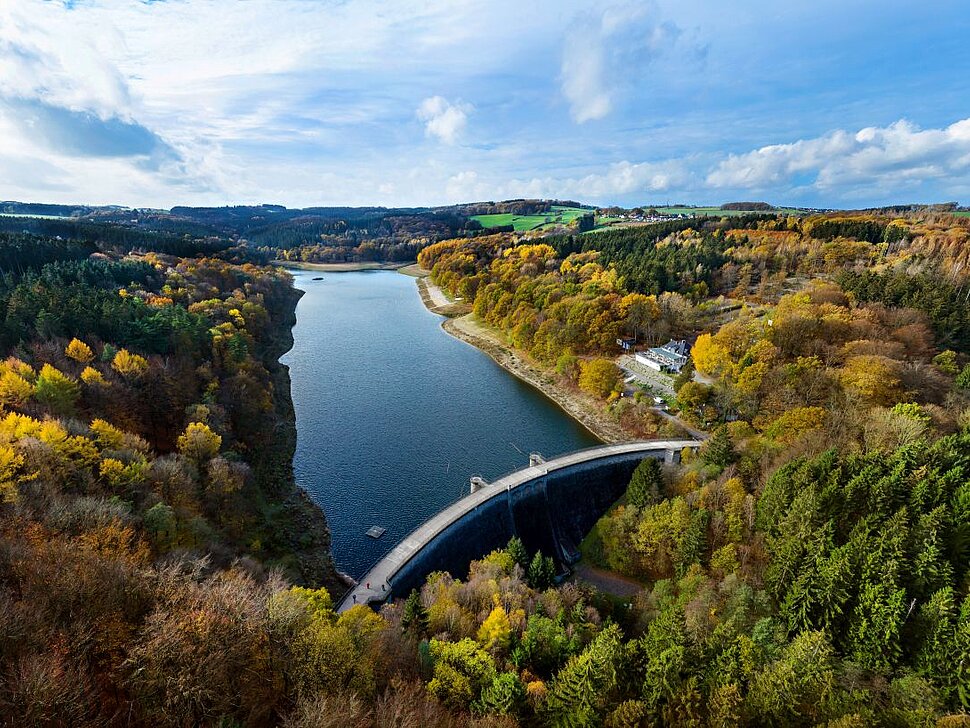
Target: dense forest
[[808, 566]]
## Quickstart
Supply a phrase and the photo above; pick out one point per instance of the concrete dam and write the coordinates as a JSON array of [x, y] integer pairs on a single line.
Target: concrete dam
[[550, 505]]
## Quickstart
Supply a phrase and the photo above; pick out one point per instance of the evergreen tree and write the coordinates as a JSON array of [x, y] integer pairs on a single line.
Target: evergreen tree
[[584, 685], [516, 549], [963, 378], [720, 450], [415, 617], [646, 485], [504, 696], [542, 572]]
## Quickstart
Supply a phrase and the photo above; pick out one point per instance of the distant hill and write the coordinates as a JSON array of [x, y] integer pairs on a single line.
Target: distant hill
[[748, 206]]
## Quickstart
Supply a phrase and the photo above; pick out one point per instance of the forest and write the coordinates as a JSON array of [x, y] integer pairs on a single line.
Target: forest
[[808, 566]]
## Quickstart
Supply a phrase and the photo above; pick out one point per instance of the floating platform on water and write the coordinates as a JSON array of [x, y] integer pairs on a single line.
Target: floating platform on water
[[376, 531], [318, 278]]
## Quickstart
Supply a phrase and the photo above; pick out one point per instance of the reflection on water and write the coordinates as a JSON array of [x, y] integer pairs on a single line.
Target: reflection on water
[[393, 414]]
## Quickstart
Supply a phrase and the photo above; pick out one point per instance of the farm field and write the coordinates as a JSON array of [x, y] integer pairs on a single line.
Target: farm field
[[521, 223]]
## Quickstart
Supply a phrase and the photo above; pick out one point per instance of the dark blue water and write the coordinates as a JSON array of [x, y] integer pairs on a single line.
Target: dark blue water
[[393, 415]]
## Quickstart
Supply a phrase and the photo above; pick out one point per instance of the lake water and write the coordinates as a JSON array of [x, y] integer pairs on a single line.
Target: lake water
[[394, 415]]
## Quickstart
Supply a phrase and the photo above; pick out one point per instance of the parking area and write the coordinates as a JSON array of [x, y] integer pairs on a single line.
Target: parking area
[[660, 383]]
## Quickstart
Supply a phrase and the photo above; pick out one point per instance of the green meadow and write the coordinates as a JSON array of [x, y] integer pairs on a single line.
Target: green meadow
[[558, 215]]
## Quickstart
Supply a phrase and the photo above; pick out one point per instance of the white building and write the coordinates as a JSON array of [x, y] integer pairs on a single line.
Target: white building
[[670, 357]]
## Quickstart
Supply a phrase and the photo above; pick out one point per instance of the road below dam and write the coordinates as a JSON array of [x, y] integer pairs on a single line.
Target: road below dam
[[551, 505]]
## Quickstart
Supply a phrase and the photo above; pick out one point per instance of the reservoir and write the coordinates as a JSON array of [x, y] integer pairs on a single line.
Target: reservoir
[[394, 415]]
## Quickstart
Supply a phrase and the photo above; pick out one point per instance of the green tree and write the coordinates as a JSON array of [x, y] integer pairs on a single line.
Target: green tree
[[646, 484], [963, 378], [795, 688], [516, 549], [161, 524], [415, 616], [585, 685], [946, 362], [56, 390], [505, 695], [542, 572], [461, 670], [545, 644], [719, 450]]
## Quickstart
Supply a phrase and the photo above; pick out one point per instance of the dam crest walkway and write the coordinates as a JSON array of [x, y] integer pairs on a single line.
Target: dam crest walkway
[[381, 577]]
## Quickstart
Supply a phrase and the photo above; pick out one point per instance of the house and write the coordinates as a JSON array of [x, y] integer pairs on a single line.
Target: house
[[626, 343], [671, 357]]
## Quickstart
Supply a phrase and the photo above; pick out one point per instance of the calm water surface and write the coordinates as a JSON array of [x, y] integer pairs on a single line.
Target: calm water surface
[[393, 415]]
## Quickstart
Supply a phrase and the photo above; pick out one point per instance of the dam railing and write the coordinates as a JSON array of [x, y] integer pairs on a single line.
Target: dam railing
[[380, 575]]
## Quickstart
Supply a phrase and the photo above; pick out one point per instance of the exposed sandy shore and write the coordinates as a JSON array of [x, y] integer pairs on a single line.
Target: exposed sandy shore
[[436, 300], [464, 325], [337, 267]]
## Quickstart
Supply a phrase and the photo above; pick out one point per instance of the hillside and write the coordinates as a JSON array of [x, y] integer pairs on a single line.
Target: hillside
[[809, 566]]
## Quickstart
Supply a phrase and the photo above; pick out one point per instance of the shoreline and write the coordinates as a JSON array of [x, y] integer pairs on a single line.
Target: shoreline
[[460, 323], [577, 406], [337, 267]]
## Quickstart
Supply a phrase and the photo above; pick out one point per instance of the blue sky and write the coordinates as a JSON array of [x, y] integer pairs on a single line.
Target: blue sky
[[313, 102]]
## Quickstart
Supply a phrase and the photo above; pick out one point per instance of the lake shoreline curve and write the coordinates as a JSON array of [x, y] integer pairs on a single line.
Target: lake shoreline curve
[[462, 325]]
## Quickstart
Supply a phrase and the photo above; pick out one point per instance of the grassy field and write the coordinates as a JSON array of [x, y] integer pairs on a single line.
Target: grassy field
[[520, 223], [564, 215], [962, 213]]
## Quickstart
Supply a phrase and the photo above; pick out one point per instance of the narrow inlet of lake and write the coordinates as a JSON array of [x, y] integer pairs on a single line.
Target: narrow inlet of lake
[[393, 415]]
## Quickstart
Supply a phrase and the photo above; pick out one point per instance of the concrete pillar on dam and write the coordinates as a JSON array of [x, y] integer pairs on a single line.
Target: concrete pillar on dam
[[535, 458], [477, 482]]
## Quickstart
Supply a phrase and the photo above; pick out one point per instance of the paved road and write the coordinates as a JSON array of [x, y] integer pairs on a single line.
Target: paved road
[[606, 581], [658, 382], [651, 377]]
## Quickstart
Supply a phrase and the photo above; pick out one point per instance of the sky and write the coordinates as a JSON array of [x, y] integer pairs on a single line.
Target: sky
[[846, 103]]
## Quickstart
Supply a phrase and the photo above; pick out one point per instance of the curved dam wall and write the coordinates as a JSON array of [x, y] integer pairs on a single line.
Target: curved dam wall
[[550, 506]]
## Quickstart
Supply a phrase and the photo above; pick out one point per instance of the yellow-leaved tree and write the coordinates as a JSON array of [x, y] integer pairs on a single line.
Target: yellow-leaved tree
[[11, 473], [79, 351], [709, 356], [874, 377], [598, 377], [14, 389], [496, 631], [129, 365], [199, 442], [92, 376]]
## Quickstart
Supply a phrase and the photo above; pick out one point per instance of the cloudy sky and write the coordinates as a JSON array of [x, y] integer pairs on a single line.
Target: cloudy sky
[[421, 102]]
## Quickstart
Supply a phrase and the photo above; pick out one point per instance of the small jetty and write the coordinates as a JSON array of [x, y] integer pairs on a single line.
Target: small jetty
[[376, 531]]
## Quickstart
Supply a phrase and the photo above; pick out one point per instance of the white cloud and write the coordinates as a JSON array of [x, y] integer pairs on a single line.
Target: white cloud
[[605, 53], [619, 179], [443, 119], [892, 157], [624, 178], [42, 56], [584, 82]]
